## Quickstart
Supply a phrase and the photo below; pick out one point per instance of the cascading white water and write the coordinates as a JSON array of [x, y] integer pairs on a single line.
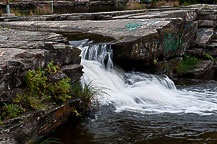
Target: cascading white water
[[140, 92]]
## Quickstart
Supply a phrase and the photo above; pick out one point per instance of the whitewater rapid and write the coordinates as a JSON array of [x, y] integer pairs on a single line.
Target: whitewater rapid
[[136, 91]]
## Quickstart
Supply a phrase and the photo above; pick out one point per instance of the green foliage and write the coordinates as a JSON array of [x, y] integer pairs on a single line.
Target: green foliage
[[87, 93], [207, 56], [187, 64], [51, 68], [155, 61], [39, 90], [8, 111], [12, 110]]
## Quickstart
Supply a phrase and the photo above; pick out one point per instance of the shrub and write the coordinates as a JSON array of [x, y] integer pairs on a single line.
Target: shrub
[[39, 89], [187, 64]]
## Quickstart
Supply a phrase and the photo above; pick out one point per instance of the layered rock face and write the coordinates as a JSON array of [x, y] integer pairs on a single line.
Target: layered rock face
[[142, 37], [24, 50]]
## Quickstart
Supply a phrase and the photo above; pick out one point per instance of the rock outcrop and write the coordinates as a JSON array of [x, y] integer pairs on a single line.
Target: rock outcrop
[[24, 50]]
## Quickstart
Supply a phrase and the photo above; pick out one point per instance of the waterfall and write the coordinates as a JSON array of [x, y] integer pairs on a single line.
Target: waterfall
[[137, 91]]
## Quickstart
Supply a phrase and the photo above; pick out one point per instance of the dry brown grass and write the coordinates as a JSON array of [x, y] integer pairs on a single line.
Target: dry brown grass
[[43, 10], [131, 5], [165, 3]]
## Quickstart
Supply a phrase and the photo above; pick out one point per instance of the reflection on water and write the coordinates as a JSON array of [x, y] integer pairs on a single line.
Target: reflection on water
[[108, 127]]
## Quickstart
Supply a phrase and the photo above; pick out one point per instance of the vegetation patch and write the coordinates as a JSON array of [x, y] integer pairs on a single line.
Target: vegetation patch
[[187, 64], [44, 86]]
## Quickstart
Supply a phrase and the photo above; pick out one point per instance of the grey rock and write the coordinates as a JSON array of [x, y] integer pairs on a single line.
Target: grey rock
[[203, 36], [207, 17], [73, 71], [205, 23], [25, 50], [201, 68]]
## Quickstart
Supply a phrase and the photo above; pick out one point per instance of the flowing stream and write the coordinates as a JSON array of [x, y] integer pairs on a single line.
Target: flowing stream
[[142, 108], [140, 92]]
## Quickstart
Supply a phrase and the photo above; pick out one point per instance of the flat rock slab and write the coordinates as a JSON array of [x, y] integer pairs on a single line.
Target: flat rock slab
[[137, 39], [27, 39], [121, 30]]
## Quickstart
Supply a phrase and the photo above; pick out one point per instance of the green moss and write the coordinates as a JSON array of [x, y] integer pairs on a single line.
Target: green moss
[[187, 64]]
